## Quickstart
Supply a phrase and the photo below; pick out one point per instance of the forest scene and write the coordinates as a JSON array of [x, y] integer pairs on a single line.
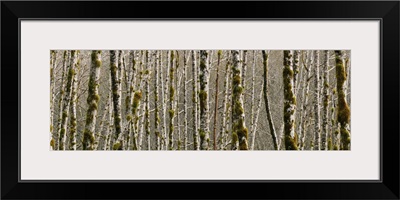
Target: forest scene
[[200, 100]]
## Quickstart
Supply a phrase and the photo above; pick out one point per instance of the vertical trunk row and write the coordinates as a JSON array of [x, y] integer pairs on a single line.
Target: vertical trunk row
[[305, 95], [317, 128], [289, 109], [239, 130], [61, 100], [267, 107], [326, 140], [196, 145], [203, 97], [67, 98], [72, 124], [92, 101], [343, 112]]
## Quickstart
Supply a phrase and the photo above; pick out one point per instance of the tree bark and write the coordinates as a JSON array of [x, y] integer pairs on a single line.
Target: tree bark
[[196, 145], [53, 58], [343, 112], [171, 101], [325, 139], [239, 129], [185, 95], [74, 99], [116, 91], [317, 108], [204, 100], [156, 100], [92, 100], [224, 131], [289, 110], [61, 100]]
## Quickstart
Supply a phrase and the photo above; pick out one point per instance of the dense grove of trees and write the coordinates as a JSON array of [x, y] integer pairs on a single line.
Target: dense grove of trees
[[200, 100]]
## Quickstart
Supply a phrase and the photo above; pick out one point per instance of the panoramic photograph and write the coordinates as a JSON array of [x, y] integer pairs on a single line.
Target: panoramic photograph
[[192, 100]]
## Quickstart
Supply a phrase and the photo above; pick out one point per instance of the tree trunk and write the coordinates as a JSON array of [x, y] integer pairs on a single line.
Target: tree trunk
[[204, 100], [216, 101], [239, 129], [325, 139], [72, 130], [92, 100], [289, 110], [116, 91], [146, 100], [61, 100], [305, 95], [265, 89], [296, 64], [255, 123], [253, 73], [53, 58], [343, 112], [185, 95], [65, 110], [317, 108], [196, 145], [156, 101], [171, 101], [225, 102]]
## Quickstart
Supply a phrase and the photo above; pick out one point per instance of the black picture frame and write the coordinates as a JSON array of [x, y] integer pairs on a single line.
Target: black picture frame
[[386, 11]]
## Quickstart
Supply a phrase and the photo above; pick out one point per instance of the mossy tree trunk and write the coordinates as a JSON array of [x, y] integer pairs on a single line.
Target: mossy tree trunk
[[343, 110], [92, 101], [53, 57], [203, 97], [67, 99], [74, 99], [266, 100], [196, 145], [296, 67], [326, 141], [289, 108], [317, 107], [117, 143], [171, 101], [55, 142], [239, 129], [156, 100]]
